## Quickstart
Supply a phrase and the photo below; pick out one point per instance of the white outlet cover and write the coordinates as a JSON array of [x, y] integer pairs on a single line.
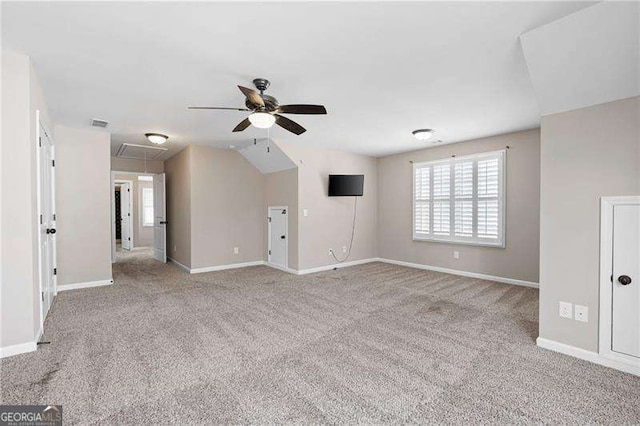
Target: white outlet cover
[[236, 250], [582, 313], [456, 255], [566, 310], [305, 212], [344, 249]]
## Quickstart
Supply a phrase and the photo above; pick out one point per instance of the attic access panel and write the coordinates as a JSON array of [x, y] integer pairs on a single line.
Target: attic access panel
[[140, 152]]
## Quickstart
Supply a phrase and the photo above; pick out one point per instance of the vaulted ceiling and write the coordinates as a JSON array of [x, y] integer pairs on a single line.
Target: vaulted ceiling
[[382, 69]]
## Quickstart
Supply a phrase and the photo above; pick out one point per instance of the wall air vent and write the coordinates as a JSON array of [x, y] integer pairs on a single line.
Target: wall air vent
[[140, 152], [96, 122]]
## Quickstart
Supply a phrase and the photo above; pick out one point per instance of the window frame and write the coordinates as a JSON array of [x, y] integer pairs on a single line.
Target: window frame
[[502, 201], [143, 207]]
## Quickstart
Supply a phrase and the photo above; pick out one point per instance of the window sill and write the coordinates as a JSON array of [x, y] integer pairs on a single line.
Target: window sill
[[499, 245]]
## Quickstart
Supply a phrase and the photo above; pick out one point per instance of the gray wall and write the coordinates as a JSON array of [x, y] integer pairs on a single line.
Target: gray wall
[[83, 203], [178, 193], [19, 283], [585, 154], [519, 260], [329, 222], [227, 208], [281, 189]]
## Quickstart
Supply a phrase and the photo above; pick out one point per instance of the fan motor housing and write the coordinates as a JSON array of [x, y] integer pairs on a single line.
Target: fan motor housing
[[270, 103]]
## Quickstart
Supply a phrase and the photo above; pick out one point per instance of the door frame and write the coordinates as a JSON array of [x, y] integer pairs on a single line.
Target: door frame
[[606, 270], [115, 181], [286, 230], [42, 127]]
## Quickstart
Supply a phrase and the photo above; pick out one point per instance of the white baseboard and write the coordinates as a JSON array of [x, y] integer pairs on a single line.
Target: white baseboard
[[85, 285], [21, 348], [336, 265], [586, 355], [179, 265], [504, 280], [224, 267]]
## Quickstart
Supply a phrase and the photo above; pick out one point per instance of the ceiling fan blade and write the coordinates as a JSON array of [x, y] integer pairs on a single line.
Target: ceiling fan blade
[[223, 108], [252, 95], [242, 125], [301, 109], [289, 125]]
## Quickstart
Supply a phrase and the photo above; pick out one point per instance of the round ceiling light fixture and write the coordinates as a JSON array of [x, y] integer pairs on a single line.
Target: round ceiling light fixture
[[262, 120], [156, 138], [423, 134]]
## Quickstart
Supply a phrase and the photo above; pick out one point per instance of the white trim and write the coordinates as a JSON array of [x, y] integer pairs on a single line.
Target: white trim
[[179, 265], [21, 348], [606, 271], [504, 280], [337, 265], [587, 356], [286, 234], [224, 267], [88, 284]]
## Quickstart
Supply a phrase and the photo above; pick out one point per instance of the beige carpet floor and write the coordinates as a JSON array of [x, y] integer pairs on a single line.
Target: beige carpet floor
[[369, 344]]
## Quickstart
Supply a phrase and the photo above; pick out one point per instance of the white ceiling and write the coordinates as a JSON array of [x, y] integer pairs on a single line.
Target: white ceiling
[[382, 69], [587, 58]]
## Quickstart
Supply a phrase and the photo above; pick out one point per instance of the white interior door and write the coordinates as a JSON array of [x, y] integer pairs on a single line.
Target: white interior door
[[159, 218], [125, 215], [626, 280], [278, 236], [47, 222]]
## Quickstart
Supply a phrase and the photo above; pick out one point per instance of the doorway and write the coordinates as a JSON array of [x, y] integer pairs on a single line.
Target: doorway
[[138, 215], [47, 220], [620, 280], [277, 254]]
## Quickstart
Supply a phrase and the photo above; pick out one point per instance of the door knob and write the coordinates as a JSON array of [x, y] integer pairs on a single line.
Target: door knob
[[51, 231], [282, 237], [624, 279]]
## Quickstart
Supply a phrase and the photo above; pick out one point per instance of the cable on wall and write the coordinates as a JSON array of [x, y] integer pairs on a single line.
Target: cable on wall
[[353, 229]]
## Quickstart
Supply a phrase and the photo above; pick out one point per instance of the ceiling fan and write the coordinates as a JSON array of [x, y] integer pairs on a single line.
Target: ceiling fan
[[265, 110]]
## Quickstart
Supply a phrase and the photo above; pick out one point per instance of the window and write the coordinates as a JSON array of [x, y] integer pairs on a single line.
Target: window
[[147, 206], [460, 200]]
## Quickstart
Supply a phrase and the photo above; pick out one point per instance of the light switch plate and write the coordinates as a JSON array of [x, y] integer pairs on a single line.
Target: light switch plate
[[456, 255], [566, 310], [582, 313]]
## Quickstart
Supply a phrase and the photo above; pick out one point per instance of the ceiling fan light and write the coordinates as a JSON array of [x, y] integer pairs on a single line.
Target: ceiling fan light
[[156, 138], [423, 134], [262, 120]]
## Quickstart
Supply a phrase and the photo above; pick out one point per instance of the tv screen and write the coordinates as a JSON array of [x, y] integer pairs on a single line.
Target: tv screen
[[346, 185]]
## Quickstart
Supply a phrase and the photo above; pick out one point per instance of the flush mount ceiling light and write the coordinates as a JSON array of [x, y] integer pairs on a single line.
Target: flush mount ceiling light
[[156, 138], [262, 120], [423, 134]]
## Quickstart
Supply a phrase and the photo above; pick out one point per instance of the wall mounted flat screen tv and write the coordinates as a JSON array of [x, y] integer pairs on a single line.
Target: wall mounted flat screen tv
[[346, 185]]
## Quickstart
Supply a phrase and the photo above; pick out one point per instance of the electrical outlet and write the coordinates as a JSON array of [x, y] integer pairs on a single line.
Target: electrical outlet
[[566, 310], [456, 255], [305, 212], [582, 313], [330, 251], [344, 249], [175, 249], [236, 250]]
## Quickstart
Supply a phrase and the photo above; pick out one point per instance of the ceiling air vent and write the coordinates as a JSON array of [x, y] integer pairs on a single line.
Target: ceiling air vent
[[95, 122]]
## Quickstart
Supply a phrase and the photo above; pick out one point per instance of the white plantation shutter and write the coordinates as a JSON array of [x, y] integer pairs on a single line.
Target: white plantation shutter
[[441, 199], [460, 199], [147, 206], [421, 196]]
